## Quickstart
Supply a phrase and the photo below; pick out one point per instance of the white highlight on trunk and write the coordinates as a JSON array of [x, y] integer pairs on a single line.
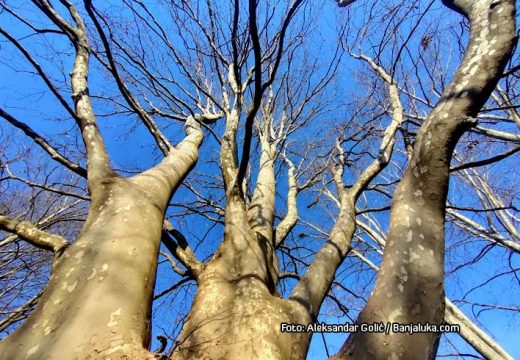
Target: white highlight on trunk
[[113, 317]]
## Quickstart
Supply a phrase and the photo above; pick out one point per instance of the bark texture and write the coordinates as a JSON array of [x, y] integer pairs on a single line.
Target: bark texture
[[236, 313], [473, 335], [410, 286]]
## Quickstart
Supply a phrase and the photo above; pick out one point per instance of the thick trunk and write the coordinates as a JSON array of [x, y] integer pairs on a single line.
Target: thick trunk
[[236, 312], [98, 300], [238, 318], [410, 285], [97, 303], [410, 289], [470, 332]]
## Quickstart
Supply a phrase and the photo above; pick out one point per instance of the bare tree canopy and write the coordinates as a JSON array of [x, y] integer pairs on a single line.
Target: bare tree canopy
[[259, 179]]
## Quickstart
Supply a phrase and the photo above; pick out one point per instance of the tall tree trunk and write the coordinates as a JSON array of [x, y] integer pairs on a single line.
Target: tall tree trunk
[[237, 312], [97, 303], [98, 300], [410, 286]]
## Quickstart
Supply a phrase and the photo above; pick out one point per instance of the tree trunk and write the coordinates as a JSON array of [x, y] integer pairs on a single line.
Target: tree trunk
[[410, 286], [97, 303], [236, 312]]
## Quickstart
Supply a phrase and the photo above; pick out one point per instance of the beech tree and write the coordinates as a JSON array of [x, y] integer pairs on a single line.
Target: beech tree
[[244, 79], [86, 283]]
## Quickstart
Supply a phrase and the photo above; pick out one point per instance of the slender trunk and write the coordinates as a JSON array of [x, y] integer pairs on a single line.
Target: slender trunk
[[410, 286], [315, 284]]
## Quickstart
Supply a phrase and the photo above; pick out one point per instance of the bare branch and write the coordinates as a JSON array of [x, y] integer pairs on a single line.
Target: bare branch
[[473, 335], [315, 283], [33, 235], [20, 313], [160, 139], [179, 247], [291, 216], [48, 148]]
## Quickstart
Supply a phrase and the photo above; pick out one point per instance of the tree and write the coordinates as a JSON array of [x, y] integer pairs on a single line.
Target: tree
[[88, 281], [410, 285], [252, 73]]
